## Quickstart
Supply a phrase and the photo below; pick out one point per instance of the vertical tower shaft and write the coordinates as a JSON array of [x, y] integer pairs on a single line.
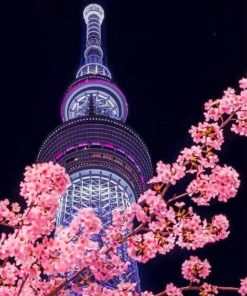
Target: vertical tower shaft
[[108, 163]]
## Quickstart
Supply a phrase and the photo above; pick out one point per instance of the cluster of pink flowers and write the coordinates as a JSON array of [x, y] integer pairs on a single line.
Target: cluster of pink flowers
[[172, 290], [243, 287], [143, 247], [195, 269], [208, 290], [190, 231], [218, 229], [152, 203], [85, 221], [230, 103], [193, 232], [122, 219], [44, 180], [167, 173], [222, 183], [29, 253], [240, 127], [72, 248], [209, 134], [28, 250], [225, 182], [200, 190], [106, 266], [153, 211], [197, 159], [122, 224], [167, 227], [9, 212]]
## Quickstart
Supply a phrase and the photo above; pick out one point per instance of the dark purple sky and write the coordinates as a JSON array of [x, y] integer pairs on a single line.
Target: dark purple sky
[[168, 57]]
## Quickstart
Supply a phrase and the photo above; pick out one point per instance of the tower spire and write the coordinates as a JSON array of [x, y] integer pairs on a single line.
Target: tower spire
[[93, 15]]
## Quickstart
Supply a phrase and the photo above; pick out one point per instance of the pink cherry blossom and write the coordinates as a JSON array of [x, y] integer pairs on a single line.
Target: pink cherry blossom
[[171, 290], [127, 286], [196, 159], [243, 83], [86, 221], [195, 269], [152, 203], [212, 110], [122, 218], [106, 266], [43, 180], [222, 183], [179, 204], [208, 290], [243, 287], [190, 231], [225, 182], [209, 134], [218, 228], [167, 173], [139, 212], [8, 291], [229, 103], [9, 273], [142, 247], [9, 213], [200, 190], [240, 127], [163, 173]]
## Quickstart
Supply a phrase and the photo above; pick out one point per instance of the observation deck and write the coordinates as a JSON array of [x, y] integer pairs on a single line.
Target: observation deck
[[100, 143]]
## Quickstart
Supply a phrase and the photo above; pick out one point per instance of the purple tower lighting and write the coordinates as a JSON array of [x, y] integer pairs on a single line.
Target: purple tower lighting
[[108, 163]]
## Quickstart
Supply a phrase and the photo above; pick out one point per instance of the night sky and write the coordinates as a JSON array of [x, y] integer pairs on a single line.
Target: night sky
[[168, 57]]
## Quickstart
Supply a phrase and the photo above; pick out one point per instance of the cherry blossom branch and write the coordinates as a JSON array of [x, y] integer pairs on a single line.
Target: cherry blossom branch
[[138, 228], [224, 123], [199, 288], [156, 220], [64, 283], [73, 277], [176, 197], [8, 225], [22, 284], [165, 189], [135, 231]]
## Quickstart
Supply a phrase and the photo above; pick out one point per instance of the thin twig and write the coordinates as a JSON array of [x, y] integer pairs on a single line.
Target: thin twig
[[176, 197], [10, 226], [22, 285]]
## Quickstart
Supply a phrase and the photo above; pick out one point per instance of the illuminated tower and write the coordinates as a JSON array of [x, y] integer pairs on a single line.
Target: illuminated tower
[[108, 163]]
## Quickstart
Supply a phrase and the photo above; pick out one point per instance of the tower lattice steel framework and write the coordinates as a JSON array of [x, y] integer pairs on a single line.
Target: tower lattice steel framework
[[108, 163]]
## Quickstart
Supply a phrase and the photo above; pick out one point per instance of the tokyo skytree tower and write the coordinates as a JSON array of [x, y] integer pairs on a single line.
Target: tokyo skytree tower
[[108, 163]]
